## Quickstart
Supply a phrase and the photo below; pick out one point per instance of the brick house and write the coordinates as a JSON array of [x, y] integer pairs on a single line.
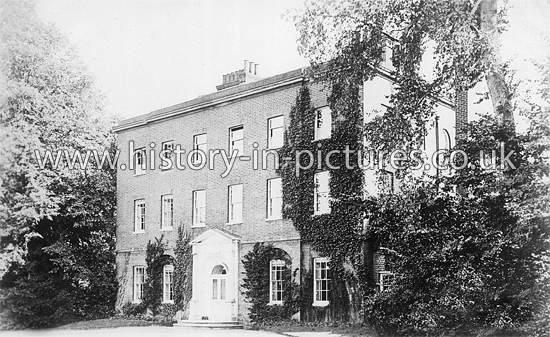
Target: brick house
[[228, 214]]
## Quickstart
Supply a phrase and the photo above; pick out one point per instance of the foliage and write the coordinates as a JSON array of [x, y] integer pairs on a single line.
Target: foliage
[[130, 309], [345, 41], [471, 262], [58, 223], [168, 311], [183, 269], [68, 272], [257, 266], [338, 234], [152, 288]]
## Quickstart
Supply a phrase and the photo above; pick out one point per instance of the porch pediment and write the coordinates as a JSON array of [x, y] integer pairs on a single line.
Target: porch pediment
[[215, 235]]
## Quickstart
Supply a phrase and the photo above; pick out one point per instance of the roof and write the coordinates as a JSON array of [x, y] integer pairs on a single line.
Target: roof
[[215, 98]]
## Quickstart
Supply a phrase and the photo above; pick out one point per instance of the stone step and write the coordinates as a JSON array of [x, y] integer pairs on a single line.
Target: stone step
[[208, 324]]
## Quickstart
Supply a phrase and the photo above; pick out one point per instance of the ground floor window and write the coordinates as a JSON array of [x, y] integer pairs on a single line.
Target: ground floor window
[[385, 280], [139, 280], [168, 284], [276, 281], [321, 281]]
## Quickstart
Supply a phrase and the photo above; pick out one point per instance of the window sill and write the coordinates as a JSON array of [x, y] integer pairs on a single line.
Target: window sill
[[139, 174], [136, 302], [321, 213], [234, 223], [167, 229], [320, 304], [138, 232], [200, 225], [319, 139], [273, 219], [275, 303], [168, 302]]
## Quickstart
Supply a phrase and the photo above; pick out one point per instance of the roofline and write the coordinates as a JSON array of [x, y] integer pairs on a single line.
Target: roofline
[[216, 98], [234, 93]]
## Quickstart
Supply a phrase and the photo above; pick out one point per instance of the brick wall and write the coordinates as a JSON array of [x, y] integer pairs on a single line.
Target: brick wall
[[252, 112]]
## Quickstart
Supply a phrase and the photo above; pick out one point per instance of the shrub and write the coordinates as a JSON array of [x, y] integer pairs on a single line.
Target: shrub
[[168, 311], [133, 309]]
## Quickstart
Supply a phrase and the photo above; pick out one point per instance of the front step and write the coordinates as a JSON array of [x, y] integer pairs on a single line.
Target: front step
[[208, 324]]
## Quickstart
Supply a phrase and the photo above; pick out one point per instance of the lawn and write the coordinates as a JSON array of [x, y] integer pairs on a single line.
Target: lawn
[[113, 322]]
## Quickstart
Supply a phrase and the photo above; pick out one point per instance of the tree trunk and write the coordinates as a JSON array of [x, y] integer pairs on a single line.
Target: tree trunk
[[496, 82]]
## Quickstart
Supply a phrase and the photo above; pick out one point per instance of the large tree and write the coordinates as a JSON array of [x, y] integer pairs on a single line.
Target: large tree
[[56, 222], [462, 37]]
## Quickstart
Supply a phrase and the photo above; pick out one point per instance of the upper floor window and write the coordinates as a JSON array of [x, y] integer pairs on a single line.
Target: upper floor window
[[321, 282], [199, 208], [235, 209], [139, 215], [199, 143], [236, 141], [275, 138], [167, 211], [168, 284], [139, 280], [139, 155], [385, 181], [274, 198], [321, 195], [167, 149], [323, 123], [276, 281]]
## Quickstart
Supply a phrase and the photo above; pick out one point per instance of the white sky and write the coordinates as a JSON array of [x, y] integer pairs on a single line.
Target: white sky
[[145, 55]]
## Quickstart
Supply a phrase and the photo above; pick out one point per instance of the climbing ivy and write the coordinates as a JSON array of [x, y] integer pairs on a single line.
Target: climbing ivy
[[257, 266], [183, 270], [156, 260], [338, 234]]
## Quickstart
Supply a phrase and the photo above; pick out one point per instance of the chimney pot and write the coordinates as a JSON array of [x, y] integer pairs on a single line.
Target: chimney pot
[[246, 64], [256, 68]]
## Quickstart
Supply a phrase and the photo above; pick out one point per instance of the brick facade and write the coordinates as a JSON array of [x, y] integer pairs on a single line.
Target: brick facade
[[249, 105]]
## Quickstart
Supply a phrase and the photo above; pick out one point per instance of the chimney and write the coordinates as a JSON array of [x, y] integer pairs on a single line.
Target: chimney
[[248, 74]]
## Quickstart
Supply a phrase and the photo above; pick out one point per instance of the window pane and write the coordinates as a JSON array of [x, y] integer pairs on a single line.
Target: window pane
[[222, 289], [215, 289], [323, 123]]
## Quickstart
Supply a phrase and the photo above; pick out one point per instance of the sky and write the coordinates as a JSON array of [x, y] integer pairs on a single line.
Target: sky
[[148, 54]]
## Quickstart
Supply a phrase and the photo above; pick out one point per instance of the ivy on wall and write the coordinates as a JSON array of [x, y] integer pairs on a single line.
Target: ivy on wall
[[152, 288], [257, 288], [337, 235], [183, 270]]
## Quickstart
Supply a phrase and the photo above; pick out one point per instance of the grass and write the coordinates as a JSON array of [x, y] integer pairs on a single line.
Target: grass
[[349, 330], [113, 322]]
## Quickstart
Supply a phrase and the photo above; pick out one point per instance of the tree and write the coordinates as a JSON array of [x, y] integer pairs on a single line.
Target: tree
[[60, 221], [48, 103], [346, 40]]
